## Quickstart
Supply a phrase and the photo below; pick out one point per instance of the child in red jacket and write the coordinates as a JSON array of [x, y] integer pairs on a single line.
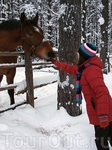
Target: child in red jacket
[[90, 81]]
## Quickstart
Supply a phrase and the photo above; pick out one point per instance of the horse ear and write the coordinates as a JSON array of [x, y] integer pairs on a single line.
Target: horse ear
[[35, 19], [23, 18]]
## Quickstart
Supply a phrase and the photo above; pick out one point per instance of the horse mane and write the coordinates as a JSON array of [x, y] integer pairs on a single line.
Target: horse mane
[[10, 24], [14, 24]]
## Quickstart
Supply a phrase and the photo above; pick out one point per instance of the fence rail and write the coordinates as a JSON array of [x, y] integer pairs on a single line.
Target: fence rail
[[12, 53], [7, 65], [29, 77]]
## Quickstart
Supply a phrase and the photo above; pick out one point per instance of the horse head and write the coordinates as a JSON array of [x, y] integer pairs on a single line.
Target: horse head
[[32, 39]]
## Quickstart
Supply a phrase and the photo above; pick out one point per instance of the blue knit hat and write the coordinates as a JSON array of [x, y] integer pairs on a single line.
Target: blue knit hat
[[87, 50]]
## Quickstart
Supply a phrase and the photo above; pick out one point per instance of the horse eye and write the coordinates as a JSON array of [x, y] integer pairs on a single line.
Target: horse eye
[[30, 34]]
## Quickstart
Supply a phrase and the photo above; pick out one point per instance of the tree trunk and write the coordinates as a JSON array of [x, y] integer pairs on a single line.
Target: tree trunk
[[69, 41], [49, 20], [83, 23], [104, 32]]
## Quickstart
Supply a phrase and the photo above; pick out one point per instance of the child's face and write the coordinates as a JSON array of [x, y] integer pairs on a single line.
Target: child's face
[[78, 56]]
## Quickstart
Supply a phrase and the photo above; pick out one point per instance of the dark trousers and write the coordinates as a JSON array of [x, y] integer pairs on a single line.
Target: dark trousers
[[103, 136]]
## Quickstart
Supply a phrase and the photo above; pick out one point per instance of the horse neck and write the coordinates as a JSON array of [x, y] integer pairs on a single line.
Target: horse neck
[[17, 36], [10, 39]]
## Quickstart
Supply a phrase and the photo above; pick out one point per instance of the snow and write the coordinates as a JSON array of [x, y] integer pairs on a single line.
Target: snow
[[44, 127], [101, 20]]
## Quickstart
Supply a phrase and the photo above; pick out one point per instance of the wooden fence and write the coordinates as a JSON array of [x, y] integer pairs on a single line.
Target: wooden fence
[[29, 77]]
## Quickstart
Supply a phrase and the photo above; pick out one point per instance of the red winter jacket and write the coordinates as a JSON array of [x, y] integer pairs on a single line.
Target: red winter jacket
[[96, 94]]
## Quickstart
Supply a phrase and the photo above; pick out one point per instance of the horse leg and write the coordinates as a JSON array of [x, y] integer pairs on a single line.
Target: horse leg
[[10, 78], [1, 76], [11, 94]]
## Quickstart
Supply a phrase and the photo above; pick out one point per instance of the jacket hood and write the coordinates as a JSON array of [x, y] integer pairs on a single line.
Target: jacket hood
[[94, 61]]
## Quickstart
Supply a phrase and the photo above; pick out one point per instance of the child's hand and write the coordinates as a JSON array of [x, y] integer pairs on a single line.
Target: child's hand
[[54, 60]]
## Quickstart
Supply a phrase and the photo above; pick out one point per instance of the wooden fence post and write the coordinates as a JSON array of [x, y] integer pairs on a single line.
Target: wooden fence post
[[29, 79]]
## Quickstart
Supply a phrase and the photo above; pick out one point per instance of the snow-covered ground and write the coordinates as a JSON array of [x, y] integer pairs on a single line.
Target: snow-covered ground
[[44, 127]]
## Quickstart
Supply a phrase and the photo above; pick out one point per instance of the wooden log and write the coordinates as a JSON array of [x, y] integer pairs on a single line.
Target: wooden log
[[29, 79], [11, 53], [17, 53], [37, 86], [7, 65], [12, 86], [8, 87], [11, 65], [13, 107]]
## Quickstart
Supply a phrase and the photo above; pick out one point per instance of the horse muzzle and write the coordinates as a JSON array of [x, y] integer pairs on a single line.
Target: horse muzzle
[[50, 55]]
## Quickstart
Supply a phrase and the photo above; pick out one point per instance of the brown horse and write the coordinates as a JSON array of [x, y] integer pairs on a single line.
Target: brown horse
[[23, 32]]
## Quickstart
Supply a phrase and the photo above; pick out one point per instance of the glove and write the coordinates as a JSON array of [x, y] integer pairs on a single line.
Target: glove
[[54, 60], [104, 122]]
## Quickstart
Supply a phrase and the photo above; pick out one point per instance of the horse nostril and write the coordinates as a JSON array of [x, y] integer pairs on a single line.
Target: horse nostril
[[51, 55]]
